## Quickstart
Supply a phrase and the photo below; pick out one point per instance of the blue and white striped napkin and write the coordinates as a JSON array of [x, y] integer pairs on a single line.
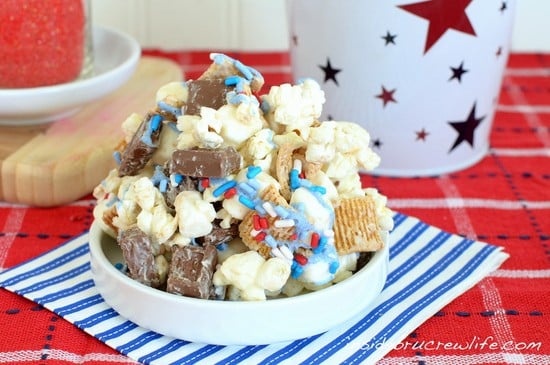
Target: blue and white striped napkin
[[428, 269]]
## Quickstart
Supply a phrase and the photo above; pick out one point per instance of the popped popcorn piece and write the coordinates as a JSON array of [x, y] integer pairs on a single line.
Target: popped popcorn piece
[[154, 218], [383, 213], [127, 208], [258, 149], [109, 185], [252, 274], [194, 215], [130, 126], [343, 146], [172, 96], [239, 123], [294, 107], [168, 142]]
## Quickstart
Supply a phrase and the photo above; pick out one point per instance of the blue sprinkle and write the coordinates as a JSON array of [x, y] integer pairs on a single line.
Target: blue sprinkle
[[333, 267], [232, 80], [163, 185], [246, 189], [281, 211], [238, 99], [159, 179], [255, 184], [246, 202], [253, 171], [120, 266], [155, 122], [294, 179], [296, 271], [222, 246], [178, 178], [152, 126], [319, 189], [272, 242], [117, 156], [223, 188], [322, 244], [217, 180], [259, 209]]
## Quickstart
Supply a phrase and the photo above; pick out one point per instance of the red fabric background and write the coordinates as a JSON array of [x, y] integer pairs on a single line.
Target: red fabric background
[[503, 200]]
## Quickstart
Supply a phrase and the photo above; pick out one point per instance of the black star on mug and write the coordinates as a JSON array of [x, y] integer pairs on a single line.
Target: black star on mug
[[330, 72], [466, 129]]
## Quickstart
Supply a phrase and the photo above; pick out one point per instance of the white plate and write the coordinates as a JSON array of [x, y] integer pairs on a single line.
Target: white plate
[[115, 59], [232, 323]]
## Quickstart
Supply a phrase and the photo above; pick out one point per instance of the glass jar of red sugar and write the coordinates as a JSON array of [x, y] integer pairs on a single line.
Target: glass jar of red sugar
[[44, 42]]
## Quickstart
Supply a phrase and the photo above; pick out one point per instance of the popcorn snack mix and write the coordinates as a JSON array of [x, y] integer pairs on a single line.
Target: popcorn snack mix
[[223, 194]]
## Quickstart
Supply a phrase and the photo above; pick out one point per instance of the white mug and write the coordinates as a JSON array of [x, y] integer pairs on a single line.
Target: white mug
[[422, 76]]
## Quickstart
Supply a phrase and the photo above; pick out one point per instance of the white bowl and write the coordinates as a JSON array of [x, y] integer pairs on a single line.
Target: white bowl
[[115, 59], [232, 323]]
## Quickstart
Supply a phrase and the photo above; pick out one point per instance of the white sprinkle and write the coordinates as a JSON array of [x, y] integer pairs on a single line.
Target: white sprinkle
[[269, 209], [280, 223], [286, 252], [297, 165], [277, 253], [254, 232]]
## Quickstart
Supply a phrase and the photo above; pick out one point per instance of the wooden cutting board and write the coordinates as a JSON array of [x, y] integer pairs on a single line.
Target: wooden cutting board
[[57, 163]]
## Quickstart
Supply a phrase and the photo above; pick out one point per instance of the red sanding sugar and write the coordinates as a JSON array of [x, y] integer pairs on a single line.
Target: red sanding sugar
[[41, 42]]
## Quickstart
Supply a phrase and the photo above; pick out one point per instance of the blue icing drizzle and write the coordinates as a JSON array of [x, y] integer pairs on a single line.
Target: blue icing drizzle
[[264, 105], [173, 127], [248, 72], [174, 110]]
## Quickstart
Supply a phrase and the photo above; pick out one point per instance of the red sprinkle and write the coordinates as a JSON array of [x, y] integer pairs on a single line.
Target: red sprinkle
[[260, 236], [229, 193], [264, 223], [294, 237], [302, 175], [205, 183], [314, 241], [256, 222], [301, 259]]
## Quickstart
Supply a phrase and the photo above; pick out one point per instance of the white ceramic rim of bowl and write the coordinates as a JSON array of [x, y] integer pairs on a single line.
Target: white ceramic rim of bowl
[[235, 323], [46, 104]]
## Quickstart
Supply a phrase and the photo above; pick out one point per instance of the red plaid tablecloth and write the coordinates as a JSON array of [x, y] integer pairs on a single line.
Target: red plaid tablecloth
[[503, 200]]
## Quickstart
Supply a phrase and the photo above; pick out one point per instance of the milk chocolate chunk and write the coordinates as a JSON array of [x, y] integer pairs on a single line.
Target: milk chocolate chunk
[[191, 271], [219, 235], [207, 92], [205, 162], [138, 253], [142, 146]]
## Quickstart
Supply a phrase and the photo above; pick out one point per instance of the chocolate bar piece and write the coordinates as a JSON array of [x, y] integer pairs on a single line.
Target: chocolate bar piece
[[191, 271], [138, 253], [219, 235], [205, 162], [142, 146], [207, 92]]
